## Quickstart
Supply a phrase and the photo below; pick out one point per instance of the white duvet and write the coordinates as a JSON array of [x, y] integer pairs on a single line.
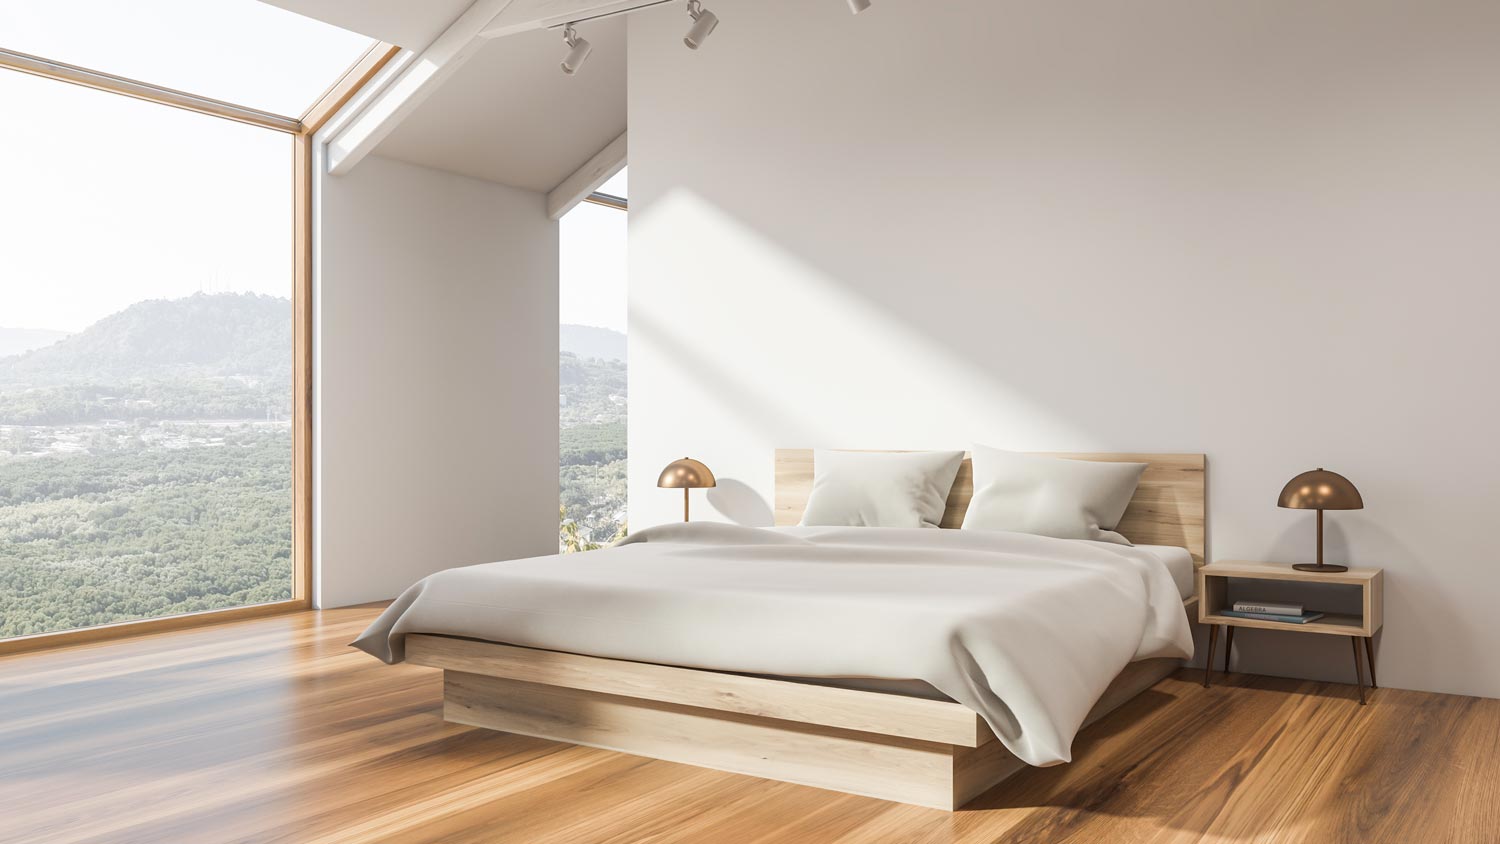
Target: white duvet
[[1025, 630]]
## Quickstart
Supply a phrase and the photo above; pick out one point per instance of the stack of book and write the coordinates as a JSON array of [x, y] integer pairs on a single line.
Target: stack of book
[[1266, 611]]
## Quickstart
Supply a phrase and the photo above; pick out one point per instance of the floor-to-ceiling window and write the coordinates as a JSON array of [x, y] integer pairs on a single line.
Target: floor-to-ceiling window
[[149, 304], [592, 397]]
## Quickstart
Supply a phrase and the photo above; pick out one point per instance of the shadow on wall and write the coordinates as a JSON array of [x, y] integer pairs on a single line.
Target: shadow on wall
[[1094, 258], [739, 503], [1033, 400], [1067, 241]]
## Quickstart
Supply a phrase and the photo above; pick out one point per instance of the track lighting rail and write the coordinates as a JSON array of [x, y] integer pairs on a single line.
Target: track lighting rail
[[704, 22]]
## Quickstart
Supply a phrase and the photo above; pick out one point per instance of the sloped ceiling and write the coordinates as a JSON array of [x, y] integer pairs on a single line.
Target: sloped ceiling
[[509, 114], [412, 24]]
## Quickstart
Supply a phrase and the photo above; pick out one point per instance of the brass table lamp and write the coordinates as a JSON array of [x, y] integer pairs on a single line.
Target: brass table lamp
[[686, 474], [1320, 490]]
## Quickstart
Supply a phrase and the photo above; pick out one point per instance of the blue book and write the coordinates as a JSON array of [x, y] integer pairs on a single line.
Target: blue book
[[1304, 618]]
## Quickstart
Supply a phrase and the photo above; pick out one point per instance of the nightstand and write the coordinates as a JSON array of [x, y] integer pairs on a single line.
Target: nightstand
[[1213, 596]]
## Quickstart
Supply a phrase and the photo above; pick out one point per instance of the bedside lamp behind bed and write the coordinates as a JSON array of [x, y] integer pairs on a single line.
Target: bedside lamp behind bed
[[686, 474]]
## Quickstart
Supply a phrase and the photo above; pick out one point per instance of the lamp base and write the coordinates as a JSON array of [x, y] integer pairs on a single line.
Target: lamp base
[[1320, 568]]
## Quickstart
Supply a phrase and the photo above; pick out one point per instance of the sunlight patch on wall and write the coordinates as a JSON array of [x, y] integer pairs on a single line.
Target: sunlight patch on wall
[[706, 288]]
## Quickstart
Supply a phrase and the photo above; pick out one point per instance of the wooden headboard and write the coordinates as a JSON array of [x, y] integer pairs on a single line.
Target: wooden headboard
[[1167, 508]]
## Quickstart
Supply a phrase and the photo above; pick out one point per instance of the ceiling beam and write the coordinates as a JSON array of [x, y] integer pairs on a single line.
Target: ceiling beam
[[420, 78], [587, 179], [526, 15]]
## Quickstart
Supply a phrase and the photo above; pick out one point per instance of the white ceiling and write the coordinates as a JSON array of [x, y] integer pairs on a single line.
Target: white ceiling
[[508, 114], [412, 24]]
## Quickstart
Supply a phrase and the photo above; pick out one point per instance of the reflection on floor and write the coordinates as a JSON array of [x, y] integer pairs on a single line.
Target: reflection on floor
[[274, 730]]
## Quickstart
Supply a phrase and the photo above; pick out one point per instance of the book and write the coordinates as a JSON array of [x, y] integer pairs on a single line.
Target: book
[[1266, 616], [1268, 608]]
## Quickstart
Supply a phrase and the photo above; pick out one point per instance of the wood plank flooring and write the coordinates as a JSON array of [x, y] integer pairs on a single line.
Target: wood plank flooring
[[273, 730]]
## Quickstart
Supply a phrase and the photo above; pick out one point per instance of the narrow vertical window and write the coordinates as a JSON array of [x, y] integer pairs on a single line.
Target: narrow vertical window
[[592, 391]]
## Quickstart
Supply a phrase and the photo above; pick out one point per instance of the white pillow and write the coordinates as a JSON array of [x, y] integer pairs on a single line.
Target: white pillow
[[881, 489], [1050, 496]]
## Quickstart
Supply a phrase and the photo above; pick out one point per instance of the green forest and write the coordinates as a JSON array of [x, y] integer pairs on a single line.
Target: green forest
[[591, 446], [145, 465], [138, 533]]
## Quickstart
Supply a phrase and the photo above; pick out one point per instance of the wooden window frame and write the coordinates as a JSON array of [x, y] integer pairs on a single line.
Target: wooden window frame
[[302, 130], [619, 203]]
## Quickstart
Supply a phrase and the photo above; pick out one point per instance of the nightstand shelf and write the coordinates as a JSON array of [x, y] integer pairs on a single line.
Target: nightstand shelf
[[1337, 623], [1213, 596]]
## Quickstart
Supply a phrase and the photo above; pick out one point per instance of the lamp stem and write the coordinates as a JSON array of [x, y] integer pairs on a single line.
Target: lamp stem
[[685, 499], [1320, 537]]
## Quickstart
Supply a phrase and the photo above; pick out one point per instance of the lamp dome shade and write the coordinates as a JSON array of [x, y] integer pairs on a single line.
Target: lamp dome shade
[[1320, 489], [686, 473]]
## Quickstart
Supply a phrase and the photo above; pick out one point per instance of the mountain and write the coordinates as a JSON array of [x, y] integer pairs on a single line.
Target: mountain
[[586, 341], [199, 335], [14, 341]]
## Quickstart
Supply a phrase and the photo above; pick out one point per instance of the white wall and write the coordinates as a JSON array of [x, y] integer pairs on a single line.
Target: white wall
[[1263, 231], [436, 413]]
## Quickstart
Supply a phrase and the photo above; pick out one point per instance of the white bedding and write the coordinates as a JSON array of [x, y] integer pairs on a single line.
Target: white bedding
[[1025, 630], [1179, 563]]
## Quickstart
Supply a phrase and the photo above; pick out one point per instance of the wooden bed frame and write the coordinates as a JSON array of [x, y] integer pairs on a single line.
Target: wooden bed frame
[[895, 747]]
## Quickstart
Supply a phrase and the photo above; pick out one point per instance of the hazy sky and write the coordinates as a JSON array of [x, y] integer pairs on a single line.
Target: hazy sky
[[106, 200], [111, 200], [592, 264], [240, 51]]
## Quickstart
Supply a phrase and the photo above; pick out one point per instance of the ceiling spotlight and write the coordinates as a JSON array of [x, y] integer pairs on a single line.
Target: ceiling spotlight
[[704, 22], [578, 50], [857, 6]]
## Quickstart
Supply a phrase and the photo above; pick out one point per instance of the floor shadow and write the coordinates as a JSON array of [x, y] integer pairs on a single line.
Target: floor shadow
[[1126, 747]]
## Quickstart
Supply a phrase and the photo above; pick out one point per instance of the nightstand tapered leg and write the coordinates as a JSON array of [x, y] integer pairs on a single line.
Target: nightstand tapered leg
[[1359, 669], [1370, 658], [1208, 662], [1228, 646]]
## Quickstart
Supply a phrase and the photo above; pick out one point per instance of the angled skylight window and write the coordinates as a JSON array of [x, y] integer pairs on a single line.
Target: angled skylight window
[[240, 51], [618, 184]]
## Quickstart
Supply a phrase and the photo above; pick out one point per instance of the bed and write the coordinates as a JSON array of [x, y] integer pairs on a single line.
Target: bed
[[899, 705]]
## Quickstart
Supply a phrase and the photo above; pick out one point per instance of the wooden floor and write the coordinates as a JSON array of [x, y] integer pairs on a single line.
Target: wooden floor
[[274, 730]]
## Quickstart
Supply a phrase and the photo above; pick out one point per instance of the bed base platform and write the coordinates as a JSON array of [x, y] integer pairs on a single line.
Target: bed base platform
[[910, 750]]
